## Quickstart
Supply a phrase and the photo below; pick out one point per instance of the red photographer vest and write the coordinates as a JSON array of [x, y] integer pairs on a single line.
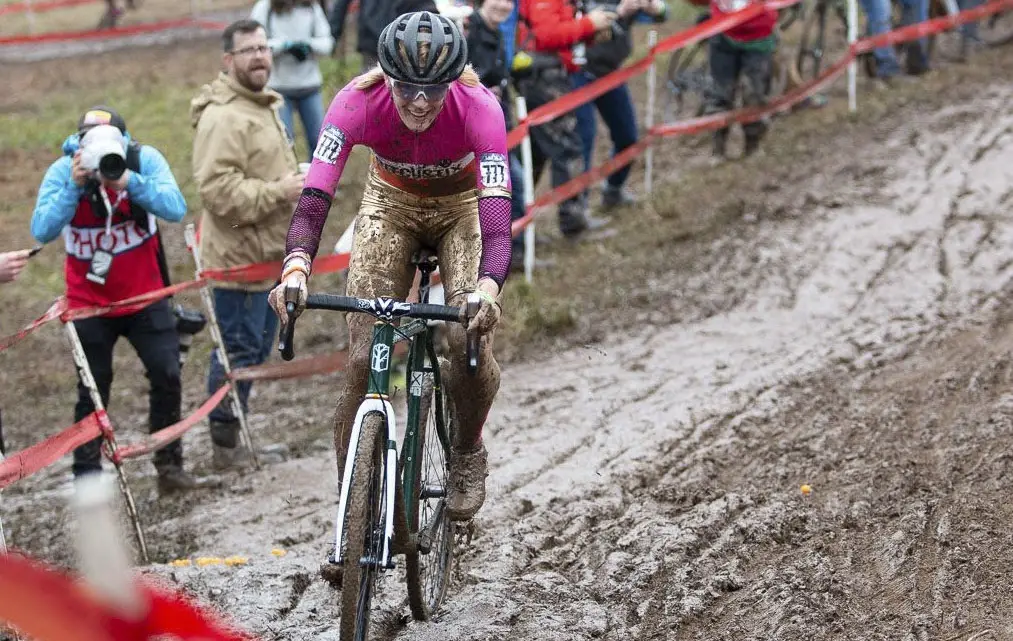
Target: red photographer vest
[[135, 249]]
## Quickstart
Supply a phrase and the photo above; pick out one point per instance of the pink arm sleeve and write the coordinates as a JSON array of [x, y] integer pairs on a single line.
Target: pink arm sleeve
[[341, 130], [486, 130]]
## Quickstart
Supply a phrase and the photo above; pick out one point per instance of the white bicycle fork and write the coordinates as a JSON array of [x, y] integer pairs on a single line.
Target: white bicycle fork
[[384, 408]]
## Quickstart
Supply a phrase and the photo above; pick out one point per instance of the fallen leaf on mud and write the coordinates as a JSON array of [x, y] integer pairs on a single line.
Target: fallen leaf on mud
[[278, 552], [180, 563], [208, 560], [806, 489], [236, 560]]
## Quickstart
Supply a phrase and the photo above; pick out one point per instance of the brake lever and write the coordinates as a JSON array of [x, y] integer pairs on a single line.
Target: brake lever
[[473, 305], [285, 345]]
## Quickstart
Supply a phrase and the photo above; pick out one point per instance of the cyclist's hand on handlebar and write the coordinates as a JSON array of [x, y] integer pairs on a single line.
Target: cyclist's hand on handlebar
[[489, 313], [292, 288]]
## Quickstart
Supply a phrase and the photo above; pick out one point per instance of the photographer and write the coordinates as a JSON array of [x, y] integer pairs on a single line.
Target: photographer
[[615, 105], [103, 195], [556, 37]]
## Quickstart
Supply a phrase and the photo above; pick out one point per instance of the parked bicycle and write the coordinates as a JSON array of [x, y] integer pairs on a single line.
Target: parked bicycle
[[396, 505]]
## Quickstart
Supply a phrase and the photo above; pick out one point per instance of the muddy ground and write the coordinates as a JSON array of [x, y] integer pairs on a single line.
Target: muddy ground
[[845, 328]]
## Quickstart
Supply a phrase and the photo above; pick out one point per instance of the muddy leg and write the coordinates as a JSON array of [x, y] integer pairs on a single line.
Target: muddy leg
[[380, 265]]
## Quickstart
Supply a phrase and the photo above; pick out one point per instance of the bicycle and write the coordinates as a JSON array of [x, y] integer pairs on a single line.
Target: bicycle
[[378, 516]]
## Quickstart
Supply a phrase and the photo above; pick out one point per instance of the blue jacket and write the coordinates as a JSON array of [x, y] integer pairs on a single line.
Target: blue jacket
[[154, 189]]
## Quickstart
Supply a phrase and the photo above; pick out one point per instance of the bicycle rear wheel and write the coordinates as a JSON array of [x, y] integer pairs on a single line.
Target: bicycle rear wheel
[[428, 565], [364, 529]]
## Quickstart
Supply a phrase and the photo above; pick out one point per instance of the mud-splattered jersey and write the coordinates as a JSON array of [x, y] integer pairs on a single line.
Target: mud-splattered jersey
[[464, 149]]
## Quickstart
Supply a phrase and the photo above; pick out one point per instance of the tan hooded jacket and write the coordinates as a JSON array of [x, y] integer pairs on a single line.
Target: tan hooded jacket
[[241, 152]]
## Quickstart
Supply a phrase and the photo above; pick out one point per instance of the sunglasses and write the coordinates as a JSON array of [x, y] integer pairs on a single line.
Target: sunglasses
[[412, 92]]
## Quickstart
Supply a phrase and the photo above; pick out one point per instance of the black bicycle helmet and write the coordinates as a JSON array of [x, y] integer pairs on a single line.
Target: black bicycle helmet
[[399, 49]]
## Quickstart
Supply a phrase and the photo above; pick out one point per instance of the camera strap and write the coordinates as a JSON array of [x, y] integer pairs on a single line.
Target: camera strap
[[102, 256]]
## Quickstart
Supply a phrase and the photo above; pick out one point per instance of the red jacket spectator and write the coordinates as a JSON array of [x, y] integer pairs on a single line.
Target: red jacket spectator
[[758, 28], [551, 26]]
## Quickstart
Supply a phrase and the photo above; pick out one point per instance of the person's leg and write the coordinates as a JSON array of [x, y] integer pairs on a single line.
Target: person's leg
[[969, 30], [241, 334], [559, 142], [724, 69], [756, 68], [913, 12], [380, 265], [311, 112], [878, 18], [98, 338], [152, 333], [586, 125], [471, 396], [616, 109]]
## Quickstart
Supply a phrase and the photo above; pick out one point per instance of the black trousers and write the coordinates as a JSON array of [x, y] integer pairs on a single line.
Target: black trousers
[[152, 333], [727, 64], [556, 142]]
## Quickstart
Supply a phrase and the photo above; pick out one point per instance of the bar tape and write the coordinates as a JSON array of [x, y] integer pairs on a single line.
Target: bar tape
[[30, 460], [169, 434]]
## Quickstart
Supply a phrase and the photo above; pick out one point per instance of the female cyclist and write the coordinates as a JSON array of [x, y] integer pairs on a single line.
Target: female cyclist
[[439, 177]]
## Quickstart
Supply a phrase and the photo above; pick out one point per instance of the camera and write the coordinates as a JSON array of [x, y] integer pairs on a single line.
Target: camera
[[104, 150]]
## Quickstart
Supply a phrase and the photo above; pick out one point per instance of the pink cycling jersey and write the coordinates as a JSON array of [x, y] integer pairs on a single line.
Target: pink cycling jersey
[[465, 148]]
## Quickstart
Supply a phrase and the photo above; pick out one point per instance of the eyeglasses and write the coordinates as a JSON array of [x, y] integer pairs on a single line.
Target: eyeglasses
[[257, 49], [412, 92]]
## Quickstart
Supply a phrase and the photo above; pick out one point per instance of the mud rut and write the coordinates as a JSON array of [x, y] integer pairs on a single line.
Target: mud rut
[[647, 487]]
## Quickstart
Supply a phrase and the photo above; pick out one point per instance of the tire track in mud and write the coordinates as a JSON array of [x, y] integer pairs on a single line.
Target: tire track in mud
[[881, 310]]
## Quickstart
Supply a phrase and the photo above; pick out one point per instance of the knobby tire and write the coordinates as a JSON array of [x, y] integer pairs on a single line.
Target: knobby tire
[[364, 529], [429, 574]]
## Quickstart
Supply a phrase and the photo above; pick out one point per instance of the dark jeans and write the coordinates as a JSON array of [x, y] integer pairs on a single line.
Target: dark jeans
[[556, 142], [727, 64], [616, 109], [152, 333], [311, 112], [248, 326]]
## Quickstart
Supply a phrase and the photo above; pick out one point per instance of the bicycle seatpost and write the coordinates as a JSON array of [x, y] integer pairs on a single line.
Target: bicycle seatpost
[[471, 310]]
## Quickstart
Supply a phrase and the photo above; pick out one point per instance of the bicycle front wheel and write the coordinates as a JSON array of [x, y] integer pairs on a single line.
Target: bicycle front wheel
[[364, 529], [428, 565]]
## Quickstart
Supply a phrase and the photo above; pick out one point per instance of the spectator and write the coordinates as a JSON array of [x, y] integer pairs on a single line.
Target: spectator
[[247, 176], [373, 16], [615, 105], [11, 264], [551, 29], [109, 231], [487, 55], [297, 32], [747, 49]]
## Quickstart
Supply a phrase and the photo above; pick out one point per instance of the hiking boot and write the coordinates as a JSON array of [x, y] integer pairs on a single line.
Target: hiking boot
[[612, 197], [467, 483], [175, 479], [224, 458]]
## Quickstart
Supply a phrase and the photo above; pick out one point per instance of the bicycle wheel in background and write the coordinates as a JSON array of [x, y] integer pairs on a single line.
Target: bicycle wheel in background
[[364, 529], [812, 42], [428, 566], [997, 30]]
